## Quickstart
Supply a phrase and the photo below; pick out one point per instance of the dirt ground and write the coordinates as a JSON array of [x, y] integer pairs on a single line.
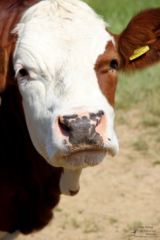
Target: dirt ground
[[118, 196]]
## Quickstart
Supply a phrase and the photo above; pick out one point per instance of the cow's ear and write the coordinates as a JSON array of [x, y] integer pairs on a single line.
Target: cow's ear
[[139, 43], [3, 68]]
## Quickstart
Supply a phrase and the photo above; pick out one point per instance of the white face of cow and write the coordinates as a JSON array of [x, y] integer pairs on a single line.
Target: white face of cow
[[69, 119]]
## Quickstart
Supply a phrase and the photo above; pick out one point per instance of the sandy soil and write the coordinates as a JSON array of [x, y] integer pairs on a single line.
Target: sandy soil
[[119, 194]]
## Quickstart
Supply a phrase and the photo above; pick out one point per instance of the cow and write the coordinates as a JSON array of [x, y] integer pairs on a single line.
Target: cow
[[58, 77]]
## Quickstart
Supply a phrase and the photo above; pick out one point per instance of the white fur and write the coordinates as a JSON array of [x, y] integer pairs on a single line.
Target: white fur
[[59, 42], [70, 181]]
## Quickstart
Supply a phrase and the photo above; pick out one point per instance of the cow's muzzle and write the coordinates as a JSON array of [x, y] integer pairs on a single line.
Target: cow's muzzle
[[82, 131], [82, 138]]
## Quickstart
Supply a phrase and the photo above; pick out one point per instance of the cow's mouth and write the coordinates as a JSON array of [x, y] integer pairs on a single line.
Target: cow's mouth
[[79, 157], [85, 158]]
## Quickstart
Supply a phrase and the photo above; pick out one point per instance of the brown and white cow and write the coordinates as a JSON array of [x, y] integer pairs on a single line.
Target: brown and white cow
[[58, 77]]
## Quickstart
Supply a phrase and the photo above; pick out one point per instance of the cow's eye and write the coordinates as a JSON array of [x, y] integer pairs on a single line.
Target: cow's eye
[[114, 64], [23, 72]]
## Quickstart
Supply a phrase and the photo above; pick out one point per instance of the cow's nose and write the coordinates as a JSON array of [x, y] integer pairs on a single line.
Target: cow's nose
[[83, 129]]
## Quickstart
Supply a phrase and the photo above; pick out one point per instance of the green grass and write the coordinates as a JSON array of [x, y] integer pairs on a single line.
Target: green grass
[[113, 220], [140, 89], [140, 145], [150, 121], [156, 163], [75, 223], [58, 209], [91, 226], [139, 176], [137, 225], [119, 12]]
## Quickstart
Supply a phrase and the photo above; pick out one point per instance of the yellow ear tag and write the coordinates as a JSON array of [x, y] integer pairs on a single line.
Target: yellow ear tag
[[139, 52]]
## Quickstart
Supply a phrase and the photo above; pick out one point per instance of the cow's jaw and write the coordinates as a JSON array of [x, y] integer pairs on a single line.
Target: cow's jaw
[[60, 48]]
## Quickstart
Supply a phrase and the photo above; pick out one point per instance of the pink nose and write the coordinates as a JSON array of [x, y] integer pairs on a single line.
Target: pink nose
[[83, 129]]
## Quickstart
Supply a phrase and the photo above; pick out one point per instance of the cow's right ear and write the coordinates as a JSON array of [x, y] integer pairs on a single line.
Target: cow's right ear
[[139, 44], [3, 68]]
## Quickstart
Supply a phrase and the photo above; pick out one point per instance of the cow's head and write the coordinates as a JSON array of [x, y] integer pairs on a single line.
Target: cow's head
[[65, 63], [66, 66]]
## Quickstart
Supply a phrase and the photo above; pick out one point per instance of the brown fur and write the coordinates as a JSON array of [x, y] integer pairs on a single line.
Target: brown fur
[[11, 12], [3, 68], [142, 30], [107, 78]]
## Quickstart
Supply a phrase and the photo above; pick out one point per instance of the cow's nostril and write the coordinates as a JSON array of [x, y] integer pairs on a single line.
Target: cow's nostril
[[64, 128], [100, 113]]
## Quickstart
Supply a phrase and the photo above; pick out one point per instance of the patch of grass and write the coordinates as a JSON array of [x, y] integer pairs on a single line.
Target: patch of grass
[[66, 215], [156, 163], [157, 222], [138, 91], [64, 224], [58, 209], [118, 17], [113, 220], [80, 211], [139, 176], [136, 226], [133, 226], [140, 145], [136, 175], [66, 221], [121, 120], [158, 139], [122, 194], [153, 104], [131, 158], [150, 122], [75, 223], [91, 226]]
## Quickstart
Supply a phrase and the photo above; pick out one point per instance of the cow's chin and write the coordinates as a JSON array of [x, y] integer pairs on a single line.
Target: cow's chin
[[84, 159]]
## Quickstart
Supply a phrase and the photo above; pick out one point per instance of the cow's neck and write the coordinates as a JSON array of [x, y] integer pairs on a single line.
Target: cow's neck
[[23, 172]]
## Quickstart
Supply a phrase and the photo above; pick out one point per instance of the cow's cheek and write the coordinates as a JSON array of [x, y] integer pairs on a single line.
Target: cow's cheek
[[108, 83]]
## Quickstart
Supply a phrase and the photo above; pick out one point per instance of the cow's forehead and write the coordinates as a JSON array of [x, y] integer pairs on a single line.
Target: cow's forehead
[[62, 28]]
